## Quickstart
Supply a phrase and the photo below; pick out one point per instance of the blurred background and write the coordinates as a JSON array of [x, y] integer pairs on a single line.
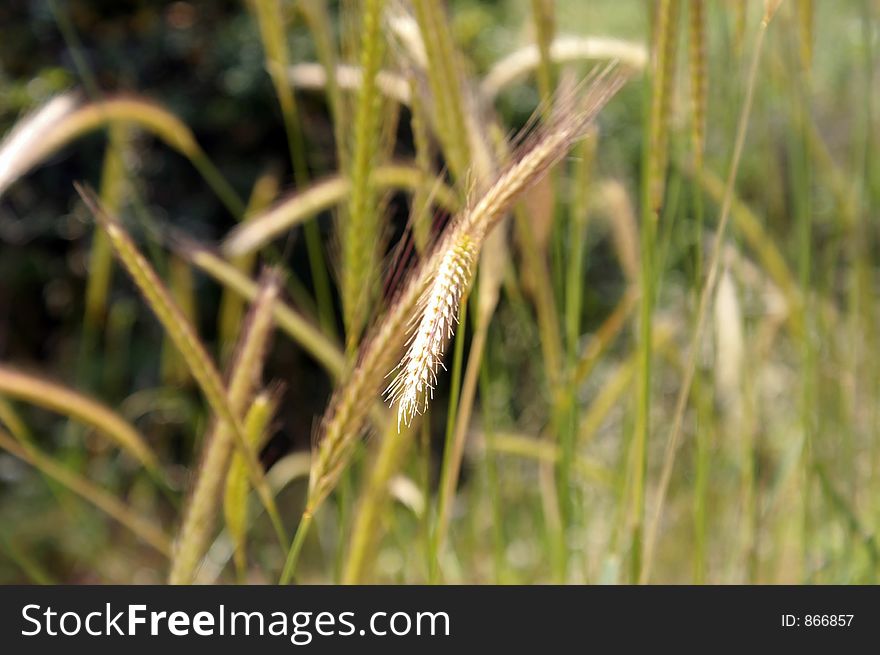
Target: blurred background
[[775, 476]]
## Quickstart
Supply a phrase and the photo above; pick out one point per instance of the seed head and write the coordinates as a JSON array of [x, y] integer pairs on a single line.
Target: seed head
[[416, 375]]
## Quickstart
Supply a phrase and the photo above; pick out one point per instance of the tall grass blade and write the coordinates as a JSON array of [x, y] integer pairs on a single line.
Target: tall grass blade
[[176, 326]]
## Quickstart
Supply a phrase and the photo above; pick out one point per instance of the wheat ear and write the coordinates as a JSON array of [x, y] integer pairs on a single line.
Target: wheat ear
[[416, 376], [348, 408]]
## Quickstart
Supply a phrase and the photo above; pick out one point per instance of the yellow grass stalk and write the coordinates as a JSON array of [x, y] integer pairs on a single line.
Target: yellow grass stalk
[[72, 404], [806, 15], [300, 329], [443, 77], [361, 228], [184, 335], [273, 37], [11, 419], [245, 372], [654, 163], [173, 368], [301, 206], [63, 120], [313, 76], [662, 90], [101, 255], [740, 17], [317, 17], [371, 500], [463, 240], [544, 19], [420, 211], [617, 206], [698, 77], [235, 497], [563, 50], [579, 212]]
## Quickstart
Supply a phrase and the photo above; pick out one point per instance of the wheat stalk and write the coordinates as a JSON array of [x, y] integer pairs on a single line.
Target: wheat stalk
[[361, 228], [348, 408], [699, 77], [191, 349], [563, 50], [235, 496], [245, 372], [63, 120], [323, 195]]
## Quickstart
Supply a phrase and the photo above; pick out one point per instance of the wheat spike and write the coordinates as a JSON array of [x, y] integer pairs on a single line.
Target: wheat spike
[[348, 408], [416, 377]]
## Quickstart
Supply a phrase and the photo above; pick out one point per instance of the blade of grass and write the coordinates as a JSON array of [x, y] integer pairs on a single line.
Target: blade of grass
[[171, 318], [654, 162], [302, 331]]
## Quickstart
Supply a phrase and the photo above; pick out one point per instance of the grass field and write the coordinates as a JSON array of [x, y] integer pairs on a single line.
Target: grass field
[[614, 264]]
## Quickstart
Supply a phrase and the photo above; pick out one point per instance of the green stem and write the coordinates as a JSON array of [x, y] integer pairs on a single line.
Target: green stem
[[449, 472], [299, 539]]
